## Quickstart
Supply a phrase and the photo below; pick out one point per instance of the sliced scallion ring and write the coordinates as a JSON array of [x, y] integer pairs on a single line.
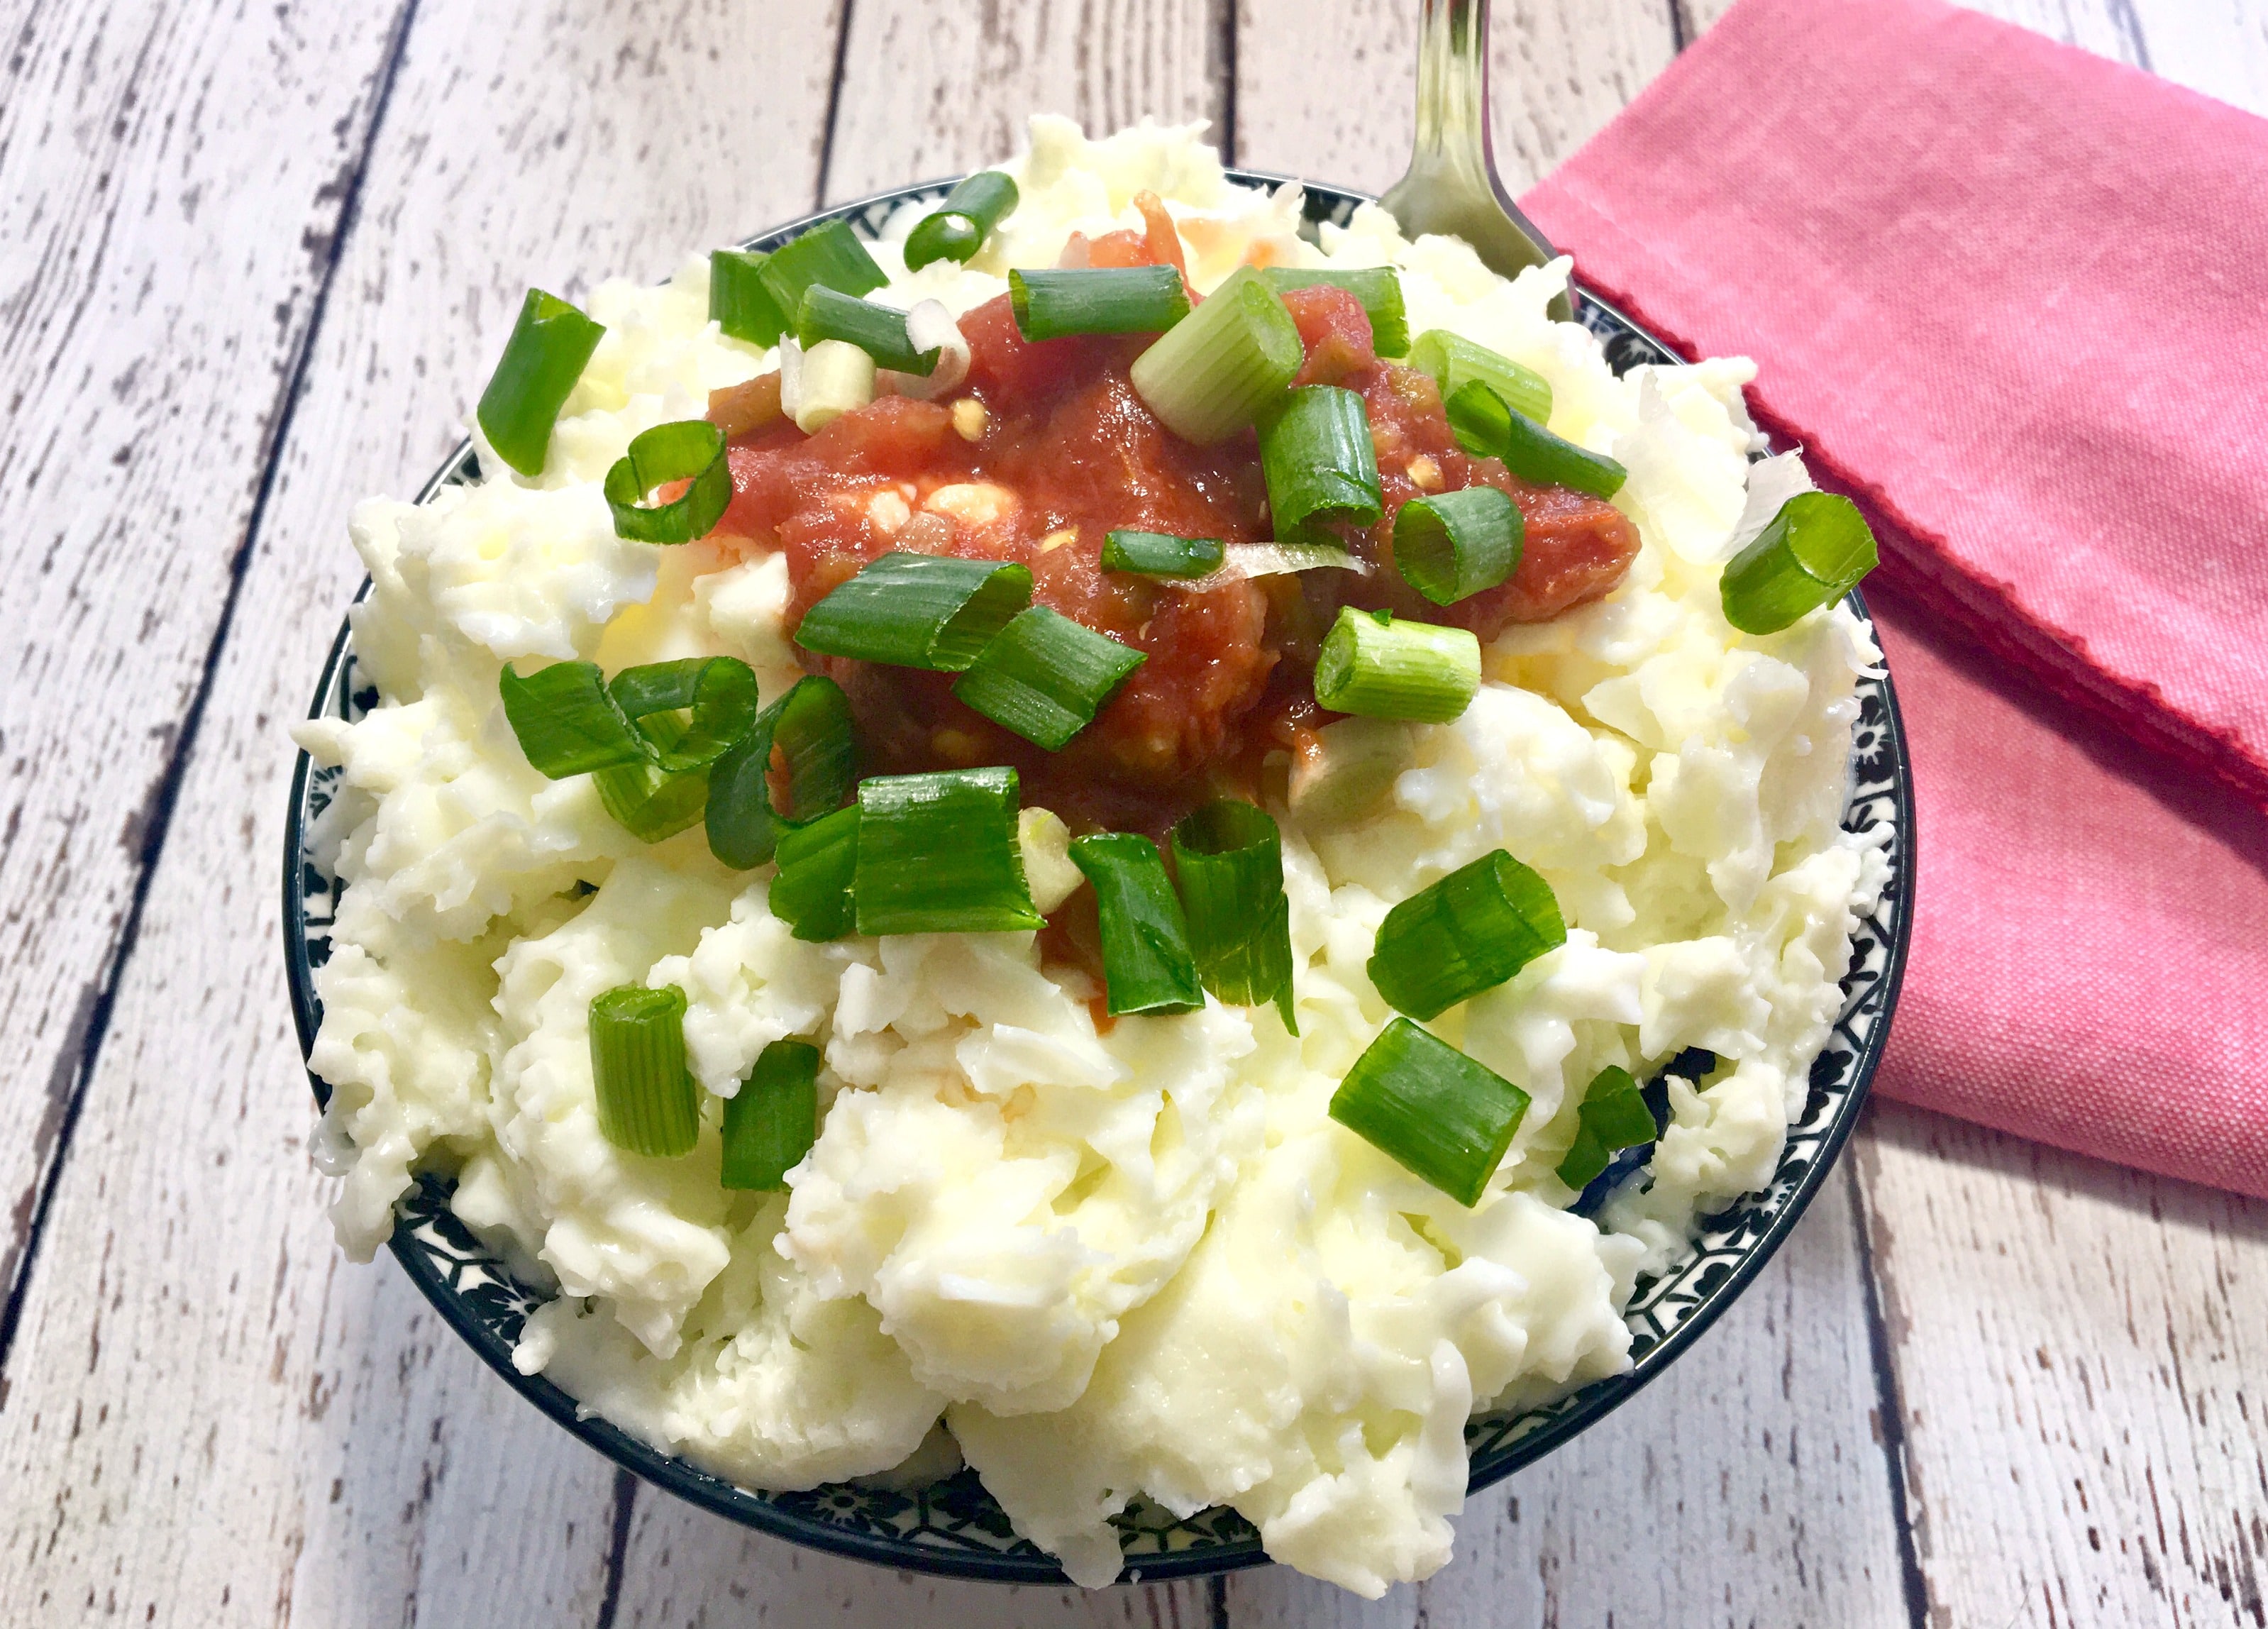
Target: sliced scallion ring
[[566, 722], [772, 1121], [806, 737], [549, 344], [829, 255], [1228, 863], [930, 611], [1484, 424], [1452, 545], [1044, 676], [740, 302], [1216, 371], [1385, 667], [1810, 553], [716, 694], [1379, 288], [1147, 964], [938, 854], [811, 892], [691, 450], [878, 330], [1455, 362], [650, 802], [1099, 299], [1441, 1116], [647, 1101], [1316, 456], [957, 228], [1161, 553], [1467, 932], [1614, 1117]]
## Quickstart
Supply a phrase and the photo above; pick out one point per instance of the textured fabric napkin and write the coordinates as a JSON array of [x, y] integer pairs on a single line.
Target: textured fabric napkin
[[2014, 300]]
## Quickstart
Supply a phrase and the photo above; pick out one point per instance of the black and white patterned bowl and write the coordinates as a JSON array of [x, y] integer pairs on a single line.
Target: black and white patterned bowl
[[952, 1526]]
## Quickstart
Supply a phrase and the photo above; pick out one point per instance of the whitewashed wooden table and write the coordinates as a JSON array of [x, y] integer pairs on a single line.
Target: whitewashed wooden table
[[254, 260]]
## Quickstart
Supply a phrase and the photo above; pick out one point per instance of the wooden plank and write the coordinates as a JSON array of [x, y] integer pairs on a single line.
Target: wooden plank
[[932, 90], [2078, 1347], [1742, 1487], [1338, 107], [212, 1418], [170, 180]]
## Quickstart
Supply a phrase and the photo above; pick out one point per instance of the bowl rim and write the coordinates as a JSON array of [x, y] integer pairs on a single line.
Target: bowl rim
[[724, 1497]]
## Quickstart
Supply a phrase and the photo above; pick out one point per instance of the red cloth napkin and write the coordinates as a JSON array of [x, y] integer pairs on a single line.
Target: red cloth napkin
[[2014, 300]]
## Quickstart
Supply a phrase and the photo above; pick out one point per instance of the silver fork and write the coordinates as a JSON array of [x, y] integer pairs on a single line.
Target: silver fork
[[1452, 184]]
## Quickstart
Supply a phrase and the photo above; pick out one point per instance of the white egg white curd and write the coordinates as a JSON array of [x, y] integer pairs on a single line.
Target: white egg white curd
[[1099, 1255]]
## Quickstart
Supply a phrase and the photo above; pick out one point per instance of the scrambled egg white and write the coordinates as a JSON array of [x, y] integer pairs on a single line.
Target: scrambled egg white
[[1144, 1262]]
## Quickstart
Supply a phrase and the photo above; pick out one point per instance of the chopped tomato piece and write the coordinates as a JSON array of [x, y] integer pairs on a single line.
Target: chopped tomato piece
[[1336, 331]]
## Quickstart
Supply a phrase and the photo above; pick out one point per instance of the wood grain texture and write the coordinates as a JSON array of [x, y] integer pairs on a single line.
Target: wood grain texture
[[212, 1418], [2079, 1350], [931, 90], [1329, 95], [171, 177]]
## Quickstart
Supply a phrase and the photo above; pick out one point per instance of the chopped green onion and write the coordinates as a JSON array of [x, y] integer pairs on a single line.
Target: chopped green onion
[[956, 229], [829, 257], [1468, 933], [1228, 860], [541, 361], [739, 302], [1453, 545], [690, 450], [647, 1102], [810, 730], [878, 330], [566, 723], [1484, 424], [1810, 553], [1315, 454], [1379, 288], [930, 611], [1102, 299], [717, 695], [1614, 1117], [1385, 667], [1455, 362], [772, 1121], [1442, 1117], [833, 377], [1161, 554], [650, 802], [1044, 676], [1213, 373], [1147, 965], [811, 892], [937, 854]]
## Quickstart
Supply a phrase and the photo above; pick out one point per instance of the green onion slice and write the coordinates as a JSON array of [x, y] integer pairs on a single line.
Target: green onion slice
[[937, 854], [566, 722], [1100, 299], [1212, 374], [1379, 288], [739, 302], [1147, 964], [1316, 456], [811, 892], [541, 361], [1614, 1117], [1484, 424], [827, 256], [650, 802], [690, 450], [1228, 858], [1161, 553], [1810, 553], [1468, 933], [810, 733], [772, 1121], [878, 330], [1455, 362], [928, 611], [647, 1101], [1452, 545], [1385, 667], [714, 696], [956, 229], [1045, 676], [1433, 1110]]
